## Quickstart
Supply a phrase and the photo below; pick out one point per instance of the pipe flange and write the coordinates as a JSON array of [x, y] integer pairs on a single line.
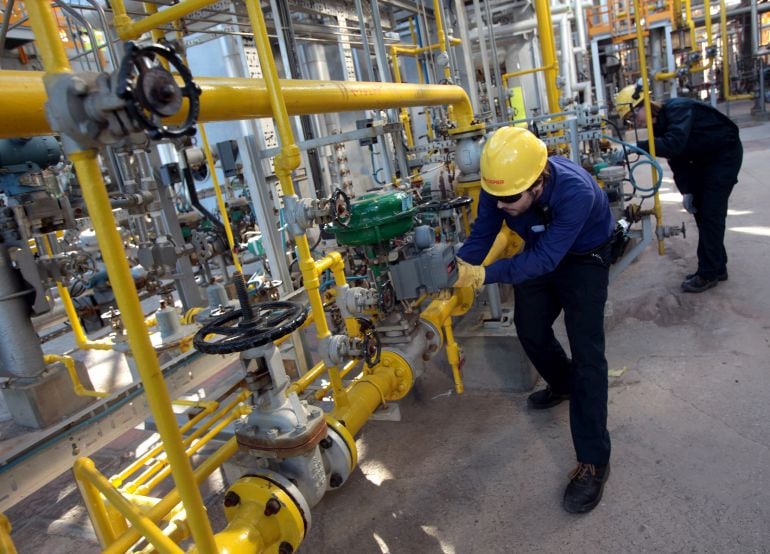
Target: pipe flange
[[339, 428], [473, 130], [277, 498], [402, 372]]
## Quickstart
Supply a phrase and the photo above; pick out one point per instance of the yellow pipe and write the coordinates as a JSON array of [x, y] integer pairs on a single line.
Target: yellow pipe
[[548, 52], [81, 340], [347, 368], [85, 471], [77, 386], [117, 480], [441, 36], [6, 543], [709, 40], [111, 246], [648, 113], [157, 465], [97, 510], [46, 30], [220, 198], [229, 99], [507, 76], [726, 58], [368, 393], [453, 356], [129, 30], [168, 502], [194, 447]]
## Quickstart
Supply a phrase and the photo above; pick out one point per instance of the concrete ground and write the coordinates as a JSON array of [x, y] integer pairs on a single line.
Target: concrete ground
[[688, 416]]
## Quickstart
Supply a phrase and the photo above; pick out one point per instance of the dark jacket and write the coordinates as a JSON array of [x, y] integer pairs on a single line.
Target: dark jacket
[[700, 142], [578, 221]]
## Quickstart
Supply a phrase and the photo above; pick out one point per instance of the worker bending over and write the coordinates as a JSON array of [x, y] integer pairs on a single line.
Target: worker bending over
[[704, 151], [566, 223]]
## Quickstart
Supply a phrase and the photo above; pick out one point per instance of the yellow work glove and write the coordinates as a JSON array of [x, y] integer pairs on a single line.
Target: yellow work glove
[[469, 275]]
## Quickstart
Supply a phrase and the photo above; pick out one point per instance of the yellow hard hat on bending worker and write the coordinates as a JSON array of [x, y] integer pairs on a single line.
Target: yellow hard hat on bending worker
[[628, 99]]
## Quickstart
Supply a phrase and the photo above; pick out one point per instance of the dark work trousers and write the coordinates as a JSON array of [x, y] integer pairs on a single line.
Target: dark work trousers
[[578, 286], [710, 201]]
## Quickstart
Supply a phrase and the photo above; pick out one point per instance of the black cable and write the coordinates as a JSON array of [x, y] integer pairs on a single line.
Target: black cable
[[193, 193]]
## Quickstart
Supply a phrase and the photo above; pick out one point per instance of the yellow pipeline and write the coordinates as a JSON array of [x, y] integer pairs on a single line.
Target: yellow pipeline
[[726, 58], [507, 76], [229, 99], [403, 113], [371, 391], [97, 201], [548, 52], [6, 543], [77, 386], [167, 503], [86, 472], [648, 113]]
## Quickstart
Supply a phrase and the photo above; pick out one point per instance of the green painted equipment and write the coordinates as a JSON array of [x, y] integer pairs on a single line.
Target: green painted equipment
[[375, 218]]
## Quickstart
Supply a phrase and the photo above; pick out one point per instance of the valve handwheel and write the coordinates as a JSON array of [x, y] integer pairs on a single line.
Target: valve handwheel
[[340, 204], [372, 346], [151, 92], [250, 327]]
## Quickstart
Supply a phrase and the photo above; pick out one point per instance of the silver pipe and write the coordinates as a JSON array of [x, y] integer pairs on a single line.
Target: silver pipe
[[484, 59], [4, 30], [470, 70], [500, 88], [495, 302], [364, 41]]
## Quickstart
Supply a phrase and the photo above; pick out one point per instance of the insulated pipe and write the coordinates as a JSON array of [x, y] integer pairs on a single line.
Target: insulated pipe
[[229, 99], [648, 113], [20, 352]]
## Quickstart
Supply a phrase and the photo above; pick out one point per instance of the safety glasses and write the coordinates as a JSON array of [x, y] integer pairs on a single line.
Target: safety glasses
[[509, 199]]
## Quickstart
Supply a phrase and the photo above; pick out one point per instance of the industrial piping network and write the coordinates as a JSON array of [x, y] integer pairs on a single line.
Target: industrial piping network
[[266, 509], [265, 515]]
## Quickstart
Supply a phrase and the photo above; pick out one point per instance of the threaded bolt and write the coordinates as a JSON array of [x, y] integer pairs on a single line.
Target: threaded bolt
[[326, 443], [232, 499], [272, 507], [243, 296]]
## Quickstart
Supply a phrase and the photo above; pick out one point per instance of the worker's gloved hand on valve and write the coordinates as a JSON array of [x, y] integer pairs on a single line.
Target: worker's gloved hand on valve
[[469, 275], [688, 204]]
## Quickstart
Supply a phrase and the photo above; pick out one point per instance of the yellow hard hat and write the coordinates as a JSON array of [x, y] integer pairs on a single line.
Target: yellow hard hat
[[628, 98], [511, 161]]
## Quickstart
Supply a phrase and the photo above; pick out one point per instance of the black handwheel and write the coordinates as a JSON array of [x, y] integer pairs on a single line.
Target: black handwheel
[[340, 203], [372, 346], [152, 93], [263, 323]]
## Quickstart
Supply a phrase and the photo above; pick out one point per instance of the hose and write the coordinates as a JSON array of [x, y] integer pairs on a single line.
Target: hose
[[646, 159]]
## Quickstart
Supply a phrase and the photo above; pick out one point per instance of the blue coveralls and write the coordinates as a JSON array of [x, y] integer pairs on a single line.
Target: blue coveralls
[[704, 150], [564, 266]]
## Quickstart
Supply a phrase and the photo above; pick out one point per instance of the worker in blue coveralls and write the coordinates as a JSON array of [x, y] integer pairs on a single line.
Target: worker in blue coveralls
[[704, 150], [565, 220]]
